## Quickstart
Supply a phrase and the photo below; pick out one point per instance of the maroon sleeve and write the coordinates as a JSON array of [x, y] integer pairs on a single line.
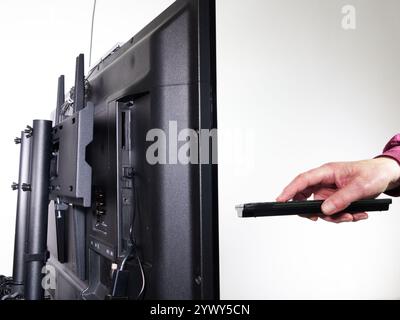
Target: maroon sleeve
[[392, 150]]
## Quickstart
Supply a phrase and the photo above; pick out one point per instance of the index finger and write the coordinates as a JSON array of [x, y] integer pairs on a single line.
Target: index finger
[[321, 175]]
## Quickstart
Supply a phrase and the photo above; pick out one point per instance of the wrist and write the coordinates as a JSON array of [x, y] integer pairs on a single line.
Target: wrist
[[392, 170]]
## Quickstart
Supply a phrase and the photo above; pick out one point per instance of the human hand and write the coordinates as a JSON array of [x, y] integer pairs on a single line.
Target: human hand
[[340, 184]]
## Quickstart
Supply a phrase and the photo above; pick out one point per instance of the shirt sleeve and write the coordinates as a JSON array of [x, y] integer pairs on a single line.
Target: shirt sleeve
[[392, 150]]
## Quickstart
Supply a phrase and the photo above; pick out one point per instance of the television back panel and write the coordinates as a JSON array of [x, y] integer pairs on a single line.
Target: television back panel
[[164, 76]]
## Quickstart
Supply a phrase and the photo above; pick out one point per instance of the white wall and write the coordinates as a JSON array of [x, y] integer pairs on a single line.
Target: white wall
[[309, 92], [304, 92]]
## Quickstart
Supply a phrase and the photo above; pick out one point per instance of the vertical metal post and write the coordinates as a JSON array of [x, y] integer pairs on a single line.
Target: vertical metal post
[[79, 218], [22, 215], [38, 216]]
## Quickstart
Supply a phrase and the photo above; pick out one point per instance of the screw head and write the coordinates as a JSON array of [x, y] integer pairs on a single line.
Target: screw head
[[15, 186], [198, 280], [17, 140]]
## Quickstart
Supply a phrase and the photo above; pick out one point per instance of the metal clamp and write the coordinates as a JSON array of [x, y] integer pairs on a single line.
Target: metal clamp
[[59, 207], [41, 257]]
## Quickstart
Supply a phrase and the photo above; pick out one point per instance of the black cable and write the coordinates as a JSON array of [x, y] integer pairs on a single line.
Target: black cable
[[6, 284], [133, 240], [6, 281], [132, 249], [132, 253]]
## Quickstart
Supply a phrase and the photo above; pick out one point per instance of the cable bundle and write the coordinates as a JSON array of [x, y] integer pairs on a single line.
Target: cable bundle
[[5, 286]]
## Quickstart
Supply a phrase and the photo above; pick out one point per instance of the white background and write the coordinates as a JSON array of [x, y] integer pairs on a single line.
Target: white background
[[295, 91]]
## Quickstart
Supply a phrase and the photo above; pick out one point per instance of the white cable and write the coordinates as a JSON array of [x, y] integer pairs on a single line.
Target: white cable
[[143, 279], [91, 33]]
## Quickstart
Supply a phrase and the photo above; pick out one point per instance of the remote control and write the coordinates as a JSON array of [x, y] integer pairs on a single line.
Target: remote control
[[274, 209]]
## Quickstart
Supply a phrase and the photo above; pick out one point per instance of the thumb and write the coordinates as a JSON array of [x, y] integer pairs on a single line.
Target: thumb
[[343, 198]]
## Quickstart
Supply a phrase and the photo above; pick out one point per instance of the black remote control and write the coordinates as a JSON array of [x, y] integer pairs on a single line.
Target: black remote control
[[274, 209]]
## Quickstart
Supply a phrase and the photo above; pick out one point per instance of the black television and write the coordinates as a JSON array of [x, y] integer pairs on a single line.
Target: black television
[[121, 226]]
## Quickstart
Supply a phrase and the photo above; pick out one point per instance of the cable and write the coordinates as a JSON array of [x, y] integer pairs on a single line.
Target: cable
[[92, 32], [133, 249], [143, 278], [6, 284], [133, 240], [127, 257], [14, 296]]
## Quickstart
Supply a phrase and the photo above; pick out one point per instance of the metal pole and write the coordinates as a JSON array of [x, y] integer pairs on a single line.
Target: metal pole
[[22, 215], [38, 216]]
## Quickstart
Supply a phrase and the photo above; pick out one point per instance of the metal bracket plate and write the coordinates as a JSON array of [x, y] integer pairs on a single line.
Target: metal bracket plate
[[71, 179]]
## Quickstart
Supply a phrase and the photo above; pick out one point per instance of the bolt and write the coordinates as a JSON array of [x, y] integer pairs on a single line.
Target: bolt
[[29, 131], [26, 187], [198, 280], [100, 195]]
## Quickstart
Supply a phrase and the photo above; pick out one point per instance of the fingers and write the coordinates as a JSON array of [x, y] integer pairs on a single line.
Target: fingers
[[312, 218], [342, 199], [304, 196], [360, 216], [321, 183], [346, 217], [322, 175], [339, 218]]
